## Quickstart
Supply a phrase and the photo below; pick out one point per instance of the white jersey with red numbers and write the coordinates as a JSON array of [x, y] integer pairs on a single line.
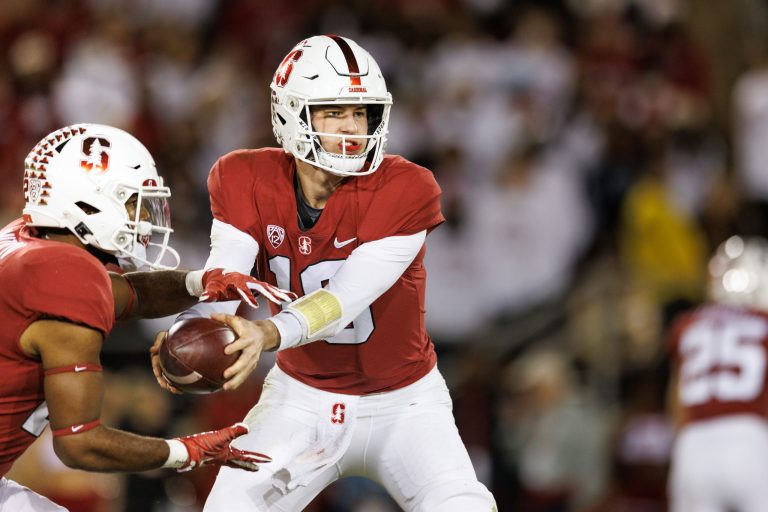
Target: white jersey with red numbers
[[40, 279], [384, 348], [720, 457]]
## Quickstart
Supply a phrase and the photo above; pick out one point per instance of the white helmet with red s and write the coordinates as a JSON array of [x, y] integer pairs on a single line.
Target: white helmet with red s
[[738, 273], [101, 184], [329, 70]]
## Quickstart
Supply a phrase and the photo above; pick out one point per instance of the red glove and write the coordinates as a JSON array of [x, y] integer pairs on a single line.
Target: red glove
[[220, 285], [213, 448]]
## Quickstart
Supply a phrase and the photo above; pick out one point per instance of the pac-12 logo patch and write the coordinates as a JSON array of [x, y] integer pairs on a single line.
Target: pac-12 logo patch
[[305, 245], [34, 189], [337, 413], [275, 235]]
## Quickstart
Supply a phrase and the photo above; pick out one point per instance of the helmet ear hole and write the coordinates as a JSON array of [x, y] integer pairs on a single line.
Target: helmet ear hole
[[82, 230]]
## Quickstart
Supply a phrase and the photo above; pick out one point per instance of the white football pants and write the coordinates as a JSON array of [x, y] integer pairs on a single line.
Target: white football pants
[[405, 439], [721, 465], [17, 498]]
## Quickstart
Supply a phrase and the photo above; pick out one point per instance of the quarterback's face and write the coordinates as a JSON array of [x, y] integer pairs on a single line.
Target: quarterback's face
[[347, 120]]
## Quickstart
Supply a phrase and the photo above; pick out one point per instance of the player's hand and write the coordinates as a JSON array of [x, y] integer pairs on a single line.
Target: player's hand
[[154, 352], [222, 285], [253, 338], [214, 448]]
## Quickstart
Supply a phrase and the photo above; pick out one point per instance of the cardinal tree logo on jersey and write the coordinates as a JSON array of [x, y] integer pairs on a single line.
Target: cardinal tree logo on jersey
[[286, 67], [305, 245], [337, 413], [96, 153], [275, 235]]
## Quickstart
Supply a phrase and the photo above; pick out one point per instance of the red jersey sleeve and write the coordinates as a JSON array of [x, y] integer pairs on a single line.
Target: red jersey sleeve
[[231, 191], [407, 202], [68, 283]]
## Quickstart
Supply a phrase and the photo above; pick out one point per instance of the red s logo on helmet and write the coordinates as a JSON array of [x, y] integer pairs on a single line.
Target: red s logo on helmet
[[284, 71]]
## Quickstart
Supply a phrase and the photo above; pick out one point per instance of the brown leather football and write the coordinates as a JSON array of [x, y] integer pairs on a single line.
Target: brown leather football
[[192, 356]]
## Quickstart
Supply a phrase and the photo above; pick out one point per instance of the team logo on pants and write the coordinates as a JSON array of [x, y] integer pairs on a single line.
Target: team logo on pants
[[275, 235], [305, 245], [337, 413]]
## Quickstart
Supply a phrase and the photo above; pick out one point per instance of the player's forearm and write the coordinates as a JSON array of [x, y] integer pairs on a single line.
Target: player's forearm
[[368, 273], [371, 270], [105, 449], [158, 293], [231, 249]]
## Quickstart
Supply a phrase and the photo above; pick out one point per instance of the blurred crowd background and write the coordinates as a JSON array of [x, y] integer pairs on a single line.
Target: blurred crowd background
[[592, 154]]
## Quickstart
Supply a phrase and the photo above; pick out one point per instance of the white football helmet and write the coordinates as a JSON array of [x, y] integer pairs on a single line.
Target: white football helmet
[[325, 70], [86, 178], [738, 273]]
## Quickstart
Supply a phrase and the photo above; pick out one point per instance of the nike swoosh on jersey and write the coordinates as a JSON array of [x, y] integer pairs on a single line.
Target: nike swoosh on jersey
[[339, 245]]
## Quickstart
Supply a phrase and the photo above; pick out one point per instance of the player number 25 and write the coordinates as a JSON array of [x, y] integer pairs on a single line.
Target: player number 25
[[722, 361], [313, 278]]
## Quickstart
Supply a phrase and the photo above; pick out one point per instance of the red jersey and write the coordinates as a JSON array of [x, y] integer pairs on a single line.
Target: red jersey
[[40, 279], [387, 346], [720, 355]]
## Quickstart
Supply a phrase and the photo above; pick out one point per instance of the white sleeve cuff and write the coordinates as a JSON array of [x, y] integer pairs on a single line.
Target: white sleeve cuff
[[194, 282], [370, 270], [178, 455], [290, 329], [231, 248]]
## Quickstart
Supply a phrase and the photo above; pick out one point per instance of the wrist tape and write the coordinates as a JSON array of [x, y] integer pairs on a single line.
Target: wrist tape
[[319, 312], [178, 455], [194, 282]]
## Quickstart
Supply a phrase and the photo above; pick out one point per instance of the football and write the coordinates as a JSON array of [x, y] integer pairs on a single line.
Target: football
[[192, 356]]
